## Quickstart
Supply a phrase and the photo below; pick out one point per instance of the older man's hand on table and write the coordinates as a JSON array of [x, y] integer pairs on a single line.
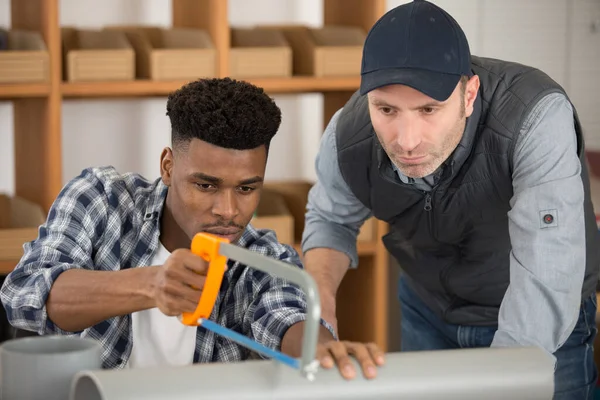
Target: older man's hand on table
[[331, 352]]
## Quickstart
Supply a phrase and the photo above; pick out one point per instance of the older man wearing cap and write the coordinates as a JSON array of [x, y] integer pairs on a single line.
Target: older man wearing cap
[[478, 166]]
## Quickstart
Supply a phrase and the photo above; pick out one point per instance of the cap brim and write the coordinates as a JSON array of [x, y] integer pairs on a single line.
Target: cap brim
[[436, 85]]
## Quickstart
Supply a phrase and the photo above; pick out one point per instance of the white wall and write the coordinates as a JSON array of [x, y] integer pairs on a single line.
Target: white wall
[[554, 35], [562, 37]]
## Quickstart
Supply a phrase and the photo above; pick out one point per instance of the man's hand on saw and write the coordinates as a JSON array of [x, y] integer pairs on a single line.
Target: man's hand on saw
[[333, 352], [178, 284]]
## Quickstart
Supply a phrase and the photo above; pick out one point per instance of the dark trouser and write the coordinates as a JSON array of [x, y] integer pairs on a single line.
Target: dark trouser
[[575, 376]]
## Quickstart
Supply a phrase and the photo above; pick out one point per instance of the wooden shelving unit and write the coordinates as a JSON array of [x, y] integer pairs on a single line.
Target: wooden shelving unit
[[15, 91], [362, 305], [142, 88]]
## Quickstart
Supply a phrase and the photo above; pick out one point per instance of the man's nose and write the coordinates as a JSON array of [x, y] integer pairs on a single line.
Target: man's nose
[[225, 205], [408, 136]]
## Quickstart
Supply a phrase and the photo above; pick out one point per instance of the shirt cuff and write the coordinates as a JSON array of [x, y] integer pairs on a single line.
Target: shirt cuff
[[327, 235], [507, 339], [279, 321]]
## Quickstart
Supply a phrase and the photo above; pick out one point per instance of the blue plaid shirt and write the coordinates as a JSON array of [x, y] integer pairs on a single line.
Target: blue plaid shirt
[[105, 221]]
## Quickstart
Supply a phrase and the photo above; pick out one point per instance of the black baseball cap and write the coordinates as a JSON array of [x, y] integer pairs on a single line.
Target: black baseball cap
[[418, 45]]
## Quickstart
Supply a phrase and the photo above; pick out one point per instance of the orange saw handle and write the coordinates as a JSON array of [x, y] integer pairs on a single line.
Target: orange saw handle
[[206, 246]]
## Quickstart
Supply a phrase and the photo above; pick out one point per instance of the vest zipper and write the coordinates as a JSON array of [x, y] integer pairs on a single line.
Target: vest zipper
[[427, 202], [428, 207]]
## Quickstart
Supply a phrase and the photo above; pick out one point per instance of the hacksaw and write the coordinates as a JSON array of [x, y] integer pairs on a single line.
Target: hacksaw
[[216, 251]]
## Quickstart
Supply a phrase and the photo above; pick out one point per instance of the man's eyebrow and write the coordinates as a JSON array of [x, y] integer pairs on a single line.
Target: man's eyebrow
[[383, 103], [430, 104], [216, 181], [380, 103], [207, 178], [250, 181]]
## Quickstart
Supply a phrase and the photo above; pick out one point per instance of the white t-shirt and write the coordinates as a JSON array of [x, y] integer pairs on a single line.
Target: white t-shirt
[[160, 340]]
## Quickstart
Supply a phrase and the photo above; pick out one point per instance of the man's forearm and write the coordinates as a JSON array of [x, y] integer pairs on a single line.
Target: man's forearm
[[327, 267], [82, 298]]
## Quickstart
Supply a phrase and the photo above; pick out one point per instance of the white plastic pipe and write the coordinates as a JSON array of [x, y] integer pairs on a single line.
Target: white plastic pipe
[[486, 373]]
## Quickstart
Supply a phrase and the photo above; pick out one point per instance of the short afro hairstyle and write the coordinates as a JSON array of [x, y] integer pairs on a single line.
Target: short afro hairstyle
[[224, 112]]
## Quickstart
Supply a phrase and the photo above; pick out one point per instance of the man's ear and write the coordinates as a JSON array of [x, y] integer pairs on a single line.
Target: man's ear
[[166, 165], [471, 90]]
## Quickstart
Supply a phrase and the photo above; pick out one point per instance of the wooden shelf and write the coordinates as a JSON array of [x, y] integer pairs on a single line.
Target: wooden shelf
[[144, 88], [139, 88], [23, 90], [307, 84]]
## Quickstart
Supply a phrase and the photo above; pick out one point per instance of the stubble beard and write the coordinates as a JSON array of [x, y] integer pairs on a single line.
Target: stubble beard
[[435, 156]]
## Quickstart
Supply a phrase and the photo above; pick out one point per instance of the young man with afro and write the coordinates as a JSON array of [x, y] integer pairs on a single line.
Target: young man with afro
[[112, 261]]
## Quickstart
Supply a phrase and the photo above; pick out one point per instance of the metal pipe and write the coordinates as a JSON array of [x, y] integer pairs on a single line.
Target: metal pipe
[[465, 374]]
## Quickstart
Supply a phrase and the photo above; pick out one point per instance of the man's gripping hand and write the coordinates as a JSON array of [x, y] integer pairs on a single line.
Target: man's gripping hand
[[177, 285]]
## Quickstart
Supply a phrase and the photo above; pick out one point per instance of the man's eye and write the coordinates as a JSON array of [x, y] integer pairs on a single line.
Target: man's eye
[[428, 110], [246, 189], [205, 186], [386, 110]]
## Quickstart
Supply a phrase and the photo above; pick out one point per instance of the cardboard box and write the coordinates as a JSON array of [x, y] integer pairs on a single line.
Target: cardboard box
[[171, 54], [19, 223], [272, 213], [259, 53], [325, 51], [97, 55], [295, 195], [24, 59]]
